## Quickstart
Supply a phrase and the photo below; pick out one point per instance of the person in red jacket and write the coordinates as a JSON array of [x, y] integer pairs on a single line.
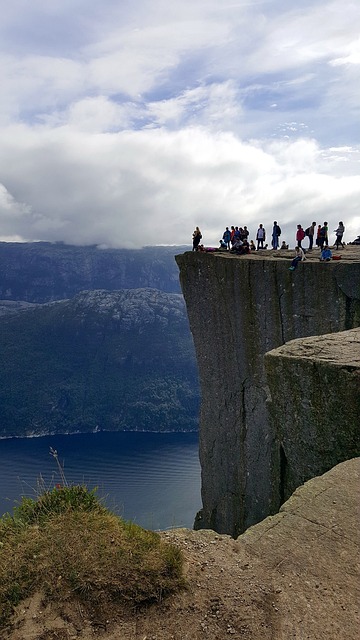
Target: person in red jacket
[[300, 235]]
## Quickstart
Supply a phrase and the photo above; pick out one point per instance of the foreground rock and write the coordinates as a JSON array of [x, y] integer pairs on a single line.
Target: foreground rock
[[315, 405], [293, 576]]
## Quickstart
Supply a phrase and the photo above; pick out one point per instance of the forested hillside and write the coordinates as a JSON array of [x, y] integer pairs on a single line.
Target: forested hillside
[[44, 271], [121, 360]]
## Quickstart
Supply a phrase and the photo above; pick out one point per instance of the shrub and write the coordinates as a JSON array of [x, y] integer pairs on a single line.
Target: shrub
[[67, 545]]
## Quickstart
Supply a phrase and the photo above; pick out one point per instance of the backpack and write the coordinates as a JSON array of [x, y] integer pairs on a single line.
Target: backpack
[[278, 230], [307, 231], [323, 232]]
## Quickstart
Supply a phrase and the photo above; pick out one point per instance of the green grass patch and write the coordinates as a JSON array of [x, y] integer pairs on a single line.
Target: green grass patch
[[67, 545]]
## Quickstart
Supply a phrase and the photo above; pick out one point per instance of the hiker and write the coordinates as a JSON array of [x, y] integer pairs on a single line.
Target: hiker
[[260, 237], [236, 245], [276, 233], [299, 257], [300, 235], [284, 245], [227, 238], [196, 239], [252, 245], [318, 236], [339, 235], [310, 231], [326, 254], [323, 236]]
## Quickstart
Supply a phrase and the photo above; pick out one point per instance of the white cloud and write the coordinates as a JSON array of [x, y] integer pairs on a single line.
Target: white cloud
[[129, 123]]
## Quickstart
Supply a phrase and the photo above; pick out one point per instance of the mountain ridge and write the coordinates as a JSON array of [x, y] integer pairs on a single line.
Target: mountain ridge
[[102, 360]]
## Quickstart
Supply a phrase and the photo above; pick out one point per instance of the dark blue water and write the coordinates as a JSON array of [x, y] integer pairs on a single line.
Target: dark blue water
[[150, 478]]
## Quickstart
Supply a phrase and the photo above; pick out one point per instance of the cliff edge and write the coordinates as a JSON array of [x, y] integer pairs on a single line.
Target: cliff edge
[[239, 309]]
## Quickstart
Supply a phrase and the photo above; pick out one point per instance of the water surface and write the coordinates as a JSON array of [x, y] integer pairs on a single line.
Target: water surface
[[150, 478]]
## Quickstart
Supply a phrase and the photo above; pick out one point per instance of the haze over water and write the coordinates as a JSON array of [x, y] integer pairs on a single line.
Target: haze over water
[[150, 478]]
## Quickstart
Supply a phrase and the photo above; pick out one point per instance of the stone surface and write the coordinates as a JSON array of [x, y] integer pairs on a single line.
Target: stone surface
[[315, 405], [239, 308]]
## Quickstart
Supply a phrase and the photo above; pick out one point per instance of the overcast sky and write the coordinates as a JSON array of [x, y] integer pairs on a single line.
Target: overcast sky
[[128, 122]]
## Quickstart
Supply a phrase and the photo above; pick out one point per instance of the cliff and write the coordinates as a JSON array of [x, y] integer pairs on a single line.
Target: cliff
[[240, 308]]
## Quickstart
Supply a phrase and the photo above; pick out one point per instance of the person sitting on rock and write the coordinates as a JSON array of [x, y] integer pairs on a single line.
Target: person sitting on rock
[[326, 254], [236, 246], [252, 245], [299, 257], [243, 249], [284, 245]]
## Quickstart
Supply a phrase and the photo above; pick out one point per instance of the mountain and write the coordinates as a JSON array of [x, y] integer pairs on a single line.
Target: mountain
[[43, 271], [112, 360]]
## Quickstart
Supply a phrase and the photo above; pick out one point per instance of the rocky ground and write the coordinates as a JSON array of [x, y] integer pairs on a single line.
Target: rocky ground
[[293, 576], [350, 253]]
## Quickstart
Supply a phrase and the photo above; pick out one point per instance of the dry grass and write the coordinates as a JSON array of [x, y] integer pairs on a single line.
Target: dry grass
[[67, 545]]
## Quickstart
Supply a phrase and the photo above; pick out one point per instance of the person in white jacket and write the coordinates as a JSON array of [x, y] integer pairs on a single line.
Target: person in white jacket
[[299, 257]]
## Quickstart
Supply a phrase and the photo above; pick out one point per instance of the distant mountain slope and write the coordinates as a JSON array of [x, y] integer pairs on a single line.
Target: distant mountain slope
[[121, 360], [43, 271]]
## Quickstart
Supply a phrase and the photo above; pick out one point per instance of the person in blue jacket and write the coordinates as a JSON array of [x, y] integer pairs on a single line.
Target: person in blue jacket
[[326, 254], [227, 238]]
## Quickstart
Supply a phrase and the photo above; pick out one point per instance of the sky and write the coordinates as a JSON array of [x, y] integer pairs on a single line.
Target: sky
[[126, 123]]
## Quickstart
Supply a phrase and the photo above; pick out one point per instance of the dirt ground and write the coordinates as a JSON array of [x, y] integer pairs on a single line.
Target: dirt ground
[[293, 576], [224, 598]]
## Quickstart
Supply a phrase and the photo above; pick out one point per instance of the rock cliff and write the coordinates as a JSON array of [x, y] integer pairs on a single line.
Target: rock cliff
[[240, 308], [314, 387]]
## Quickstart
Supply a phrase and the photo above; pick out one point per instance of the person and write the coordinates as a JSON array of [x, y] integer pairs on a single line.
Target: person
[[299, 257], [339, 235], [326, 254], [252, 245], [310, 231], [227, 238], [300, 235], [236, 245], [260, 237], [318, 236], [323, 236], [196, 239], [276, 233], [223, 244], [326, 228], [284, 245], [243, 249]]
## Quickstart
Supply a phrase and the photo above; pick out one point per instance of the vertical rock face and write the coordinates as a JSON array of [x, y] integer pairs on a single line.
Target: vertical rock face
[[240, 308], [315, 405]]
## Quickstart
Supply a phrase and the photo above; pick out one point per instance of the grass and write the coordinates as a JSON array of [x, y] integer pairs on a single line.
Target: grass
[[66, 545]]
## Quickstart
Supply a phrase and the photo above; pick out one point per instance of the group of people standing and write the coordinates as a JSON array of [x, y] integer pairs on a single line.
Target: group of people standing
[[236, 239], [321, 235]]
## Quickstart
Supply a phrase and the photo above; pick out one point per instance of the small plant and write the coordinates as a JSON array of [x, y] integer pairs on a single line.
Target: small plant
[[58, 500], [67, 545]]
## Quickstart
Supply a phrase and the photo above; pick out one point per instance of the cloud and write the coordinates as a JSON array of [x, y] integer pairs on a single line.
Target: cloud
[[129, 123]]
